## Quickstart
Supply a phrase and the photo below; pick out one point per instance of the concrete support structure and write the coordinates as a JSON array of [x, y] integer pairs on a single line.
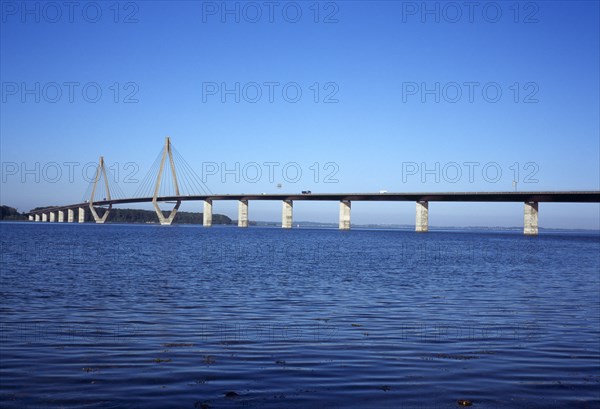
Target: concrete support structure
[[44, 217], [98, 219], [344, 214], [166, 221], [52, 217], [101, 171], [287, 214], [530, 218], [81, 215], [37, 217], [167, 152], [71, 215], [61, 216], [422, 217], [30, 218], [207, 215], [243, 213]]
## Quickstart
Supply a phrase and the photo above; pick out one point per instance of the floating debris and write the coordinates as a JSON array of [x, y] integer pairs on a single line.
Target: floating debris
[[280, 362], [464, 402], [385, 388], [159, 360], [231, 395], [356, 325], [209, 359]]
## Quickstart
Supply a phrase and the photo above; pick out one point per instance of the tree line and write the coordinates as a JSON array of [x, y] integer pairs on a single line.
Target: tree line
[[123, 216]]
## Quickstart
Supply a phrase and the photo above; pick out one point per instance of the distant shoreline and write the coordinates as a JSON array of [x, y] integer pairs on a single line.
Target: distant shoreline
[[333, 226], [148, 217]]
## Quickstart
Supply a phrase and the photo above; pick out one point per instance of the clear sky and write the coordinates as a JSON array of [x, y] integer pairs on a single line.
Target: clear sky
[[357, 96]]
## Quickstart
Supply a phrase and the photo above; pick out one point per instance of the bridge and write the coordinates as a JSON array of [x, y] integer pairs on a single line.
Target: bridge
[[164, 171]]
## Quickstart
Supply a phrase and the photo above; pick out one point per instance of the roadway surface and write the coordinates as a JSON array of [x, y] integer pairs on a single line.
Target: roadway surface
[[555, 197]]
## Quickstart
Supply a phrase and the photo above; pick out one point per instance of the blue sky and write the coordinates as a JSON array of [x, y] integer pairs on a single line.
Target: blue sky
[[400, 90]]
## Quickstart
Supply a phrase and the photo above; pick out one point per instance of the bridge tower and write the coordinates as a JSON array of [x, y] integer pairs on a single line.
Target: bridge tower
[[101, 171], [167, 152]]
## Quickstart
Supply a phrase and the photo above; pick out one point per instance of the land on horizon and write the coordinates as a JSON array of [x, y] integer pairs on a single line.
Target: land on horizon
[[139, 216]]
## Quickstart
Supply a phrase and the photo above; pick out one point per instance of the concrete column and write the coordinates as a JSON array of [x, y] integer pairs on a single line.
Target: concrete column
[[530, 218], [61, 216], [70, 215], [52, 217], [164, 221], [422, 217], [44, 217], [30, 218], [344, 214], [37, 217], [243, 213], [287, 214], [101, 220], [207, 215], [81, 215]]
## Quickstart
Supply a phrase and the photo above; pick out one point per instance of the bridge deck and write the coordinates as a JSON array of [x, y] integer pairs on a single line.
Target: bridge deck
[[556, 196]]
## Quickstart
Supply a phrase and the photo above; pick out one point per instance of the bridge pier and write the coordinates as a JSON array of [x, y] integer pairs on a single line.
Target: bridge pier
[[98, 219], [165, 221], [207, 215], [70, 215], [243, 213], [52, 217], [81, 215], [101, 220], [530, 218], [30, 218], [61, 216], [287, 214], [37, 217], [345, 206], [422, 216]]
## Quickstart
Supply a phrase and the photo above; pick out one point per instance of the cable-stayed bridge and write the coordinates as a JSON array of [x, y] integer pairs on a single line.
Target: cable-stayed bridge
[[172, 180]]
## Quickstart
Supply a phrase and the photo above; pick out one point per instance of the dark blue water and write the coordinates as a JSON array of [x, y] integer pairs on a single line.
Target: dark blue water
[[101, 316]]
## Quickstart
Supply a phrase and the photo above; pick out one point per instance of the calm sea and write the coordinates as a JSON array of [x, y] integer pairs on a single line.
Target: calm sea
[[107, 316]]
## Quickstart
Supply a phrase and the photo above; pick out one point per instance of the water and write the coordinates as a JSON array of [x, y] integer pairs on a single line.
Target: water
[[151, 317]]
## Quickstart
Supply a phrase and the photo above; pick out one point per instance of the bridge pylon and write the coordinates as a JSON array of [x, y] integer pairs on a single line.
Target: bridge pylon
[[167, 152], [100, 171]]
